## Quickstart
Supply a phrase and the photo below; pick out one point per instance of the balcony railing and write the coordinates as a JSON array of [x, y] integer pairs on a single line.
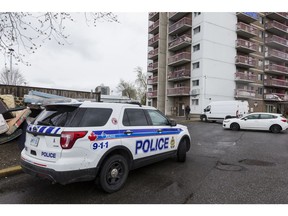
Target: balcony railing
[[276, 55], [243, 93], [153, 66], [153, 16], [248, 17], [153, 27], [153, 53], [246, 30], [176, 15], [180, 58], [247, 77], [183, 24], [278, 69], [152, 41], [180, 42], [276, 97], [179, 74], [246, 46], [153, 80], [276, 41], [151, 94], [245, 61], [276, 27], [276, 83], [280, 16], [178, 91]]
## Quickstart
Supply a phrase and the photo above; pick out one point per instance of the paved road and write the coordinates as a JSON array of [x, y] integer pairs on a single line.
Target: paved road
[[222, 166]]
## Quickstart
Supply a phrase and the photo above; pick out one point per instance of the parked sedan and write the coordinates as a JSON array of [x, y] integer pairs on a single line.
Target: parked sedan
[[258, 121]]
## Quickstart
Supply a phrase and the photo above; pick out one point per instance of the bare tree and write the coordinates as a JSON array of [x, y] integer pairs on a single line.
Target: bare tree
[[13, 77], [141, 83], [26, 31], [127, 89]]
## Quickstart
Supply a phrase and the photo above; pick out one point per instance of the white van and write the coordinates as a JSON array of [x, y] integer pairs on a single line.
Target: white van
[[220, 110]]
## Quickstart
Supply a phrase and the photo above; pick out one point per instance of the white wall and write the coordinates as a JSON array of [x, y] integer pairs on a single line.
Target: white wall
[[217, 58]]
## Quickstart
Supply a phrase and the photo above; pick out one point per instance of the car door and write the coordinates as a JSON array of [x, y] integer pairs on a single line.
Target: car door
[[251, 122], [266, 120]]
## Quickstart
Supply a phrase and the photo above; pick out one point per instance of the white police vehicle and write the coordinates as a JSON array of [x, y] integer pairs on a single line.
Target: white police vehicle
[[85, 141]]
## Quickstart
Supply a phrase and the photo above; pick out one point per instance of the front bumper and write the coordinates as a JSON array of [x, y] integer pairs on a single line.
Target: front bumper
[[63, 177]]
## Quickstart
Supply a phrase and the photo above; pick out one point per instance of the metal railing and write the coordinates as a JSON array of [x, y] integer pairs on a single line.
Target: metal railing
[[178, 91], [184, 21]]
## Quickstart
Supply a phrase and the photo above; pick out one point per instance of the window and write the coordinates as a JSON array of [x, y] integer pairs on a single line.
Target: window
[[261, 20], [134, 117], [253, 116], [157, 118], [95, 117], [260, 77], [195, 83], [261, 34], [260, 91], [261, 48], [196, 47], [267, 116], [196, 65], [260, 63], [195, 102], [196, 14], [196, 30]]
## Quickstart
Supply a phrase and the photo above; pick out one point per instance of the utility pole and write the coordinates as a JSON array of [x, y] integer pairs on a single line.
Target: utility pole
[[10, 76]]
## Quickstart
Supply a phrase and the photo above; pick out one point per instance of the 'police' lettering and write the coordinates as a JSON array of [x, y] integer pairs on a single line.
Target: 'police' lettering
[[48, 154], [151, 145]]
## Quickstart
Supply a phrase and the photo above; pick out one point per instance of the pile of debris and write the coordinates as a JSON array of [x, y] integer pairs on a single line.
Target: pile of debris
[[12, 119]]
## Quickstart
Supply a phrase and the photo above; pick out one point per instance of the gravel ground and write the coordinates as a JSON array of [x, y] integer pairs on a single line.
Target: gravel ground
[[9, 154]]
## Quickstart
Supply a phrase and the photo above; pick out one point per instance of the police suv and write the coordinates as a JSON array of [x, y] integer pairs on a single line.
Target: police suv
[[83, 141]]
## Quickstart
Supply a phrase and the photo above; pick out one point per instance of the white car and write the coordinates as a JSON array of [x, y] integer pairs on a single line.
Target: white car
[[92, 140], [258, 121]]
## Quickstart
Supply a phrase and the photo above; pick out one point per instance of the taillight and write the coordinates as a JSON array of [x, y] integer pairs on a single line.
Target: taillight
[[284, 120], [68, 138]]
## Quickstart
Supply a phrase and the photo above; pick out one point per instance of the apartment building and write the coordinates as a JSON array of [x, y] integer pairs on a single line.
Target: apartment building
[[195, 58]]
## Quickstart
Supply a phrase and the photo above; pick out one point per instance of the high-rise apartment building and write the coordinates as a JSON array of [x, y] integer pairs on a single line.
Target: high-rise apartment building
[[195, 58]]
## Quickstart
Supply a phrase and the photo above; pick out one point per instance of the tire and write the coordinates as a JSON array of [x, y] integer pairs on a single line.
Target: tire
[[203, 118], [235, 127], [114, 173], [275, 129], [181, 152]]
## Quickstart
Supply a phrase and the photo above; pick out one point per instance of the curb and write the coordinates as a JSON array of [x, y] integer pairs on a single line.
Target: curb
[[10, 171]]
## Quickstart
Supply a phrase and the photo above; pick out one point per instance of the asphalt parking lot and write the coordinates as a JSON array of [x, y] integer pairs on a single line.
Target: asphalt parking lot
[[222, 167]]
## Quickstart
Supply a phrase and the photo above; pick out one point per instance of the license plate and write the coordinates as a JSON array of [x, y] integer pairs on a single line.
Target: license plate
[[34, 141]]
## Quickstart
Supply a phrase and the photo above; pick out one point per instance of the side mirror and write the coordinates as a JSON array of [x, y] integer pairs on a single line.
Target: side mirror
[[244, 119], [172, 123]]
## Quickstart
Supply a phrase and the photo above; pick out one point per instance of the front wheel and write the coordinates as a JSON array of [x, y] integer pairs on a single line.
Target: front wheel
[[114, 173], [203, 118], [181, 153], [235, 127]]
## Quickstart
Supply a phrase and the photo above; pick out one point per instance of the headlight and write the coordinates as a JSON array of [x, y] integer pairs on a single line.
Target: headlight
[[226, 121]]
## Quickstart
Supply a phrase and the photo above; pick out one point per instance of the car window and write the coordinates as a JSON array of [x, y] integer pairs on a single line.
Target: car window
[[267, 116], [157, 118], [95, 117], [254, 116], [134, 117]]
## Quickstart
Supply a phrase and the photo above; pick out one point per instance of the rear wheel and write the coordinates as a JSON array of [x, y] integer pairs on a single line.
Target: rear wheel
[[114, 173], [275, 129], [235, 127], [203, 118], [181, 153]]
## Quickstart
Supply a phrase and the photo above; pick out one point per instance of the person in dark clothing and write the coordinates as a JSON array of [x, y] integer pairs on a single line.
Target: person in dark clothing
[[187, 112]]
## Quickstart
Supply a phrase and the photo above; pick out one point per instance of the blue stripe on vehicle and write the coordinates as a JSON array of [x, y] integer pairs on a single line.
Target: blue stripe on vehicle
[[49, 130], [42, 129], [57, 130]]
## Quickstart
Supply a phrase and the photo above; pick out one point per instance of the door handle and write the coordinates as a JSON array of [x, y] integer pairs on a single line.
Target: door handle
[[128, 132]]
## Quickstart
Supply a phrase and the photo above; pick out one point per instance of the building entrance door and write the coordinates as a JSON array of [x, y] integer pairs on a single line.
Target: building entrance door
[[181, 109]]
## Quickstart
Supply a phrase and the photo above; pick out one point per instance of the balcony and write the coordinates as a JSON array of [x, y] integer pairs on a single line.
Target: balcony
[[276, 69], [245, 77], [245, 30], [154, 16], [154, 28], [276, 97], [152, 67], [179, 91], [153, 54], [276, 42], [276, 27], [276, 55], [245, 61], [276, 83], [153, 80], [180, 42], [181, 26], [246, 46], [280, 16], [182, 74], [152, 94], [154, 41], [179, 59], [174, 16], [247, 17], [245, 94]]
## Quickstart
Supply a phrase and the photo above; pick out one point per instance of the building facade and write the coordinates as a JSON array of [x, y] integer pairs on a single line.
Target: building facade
[[195, 58]]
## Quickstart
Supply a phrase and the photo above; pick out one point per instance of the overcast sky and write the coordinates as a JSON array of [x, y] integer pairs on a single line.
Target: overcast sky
[[95, 55]]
